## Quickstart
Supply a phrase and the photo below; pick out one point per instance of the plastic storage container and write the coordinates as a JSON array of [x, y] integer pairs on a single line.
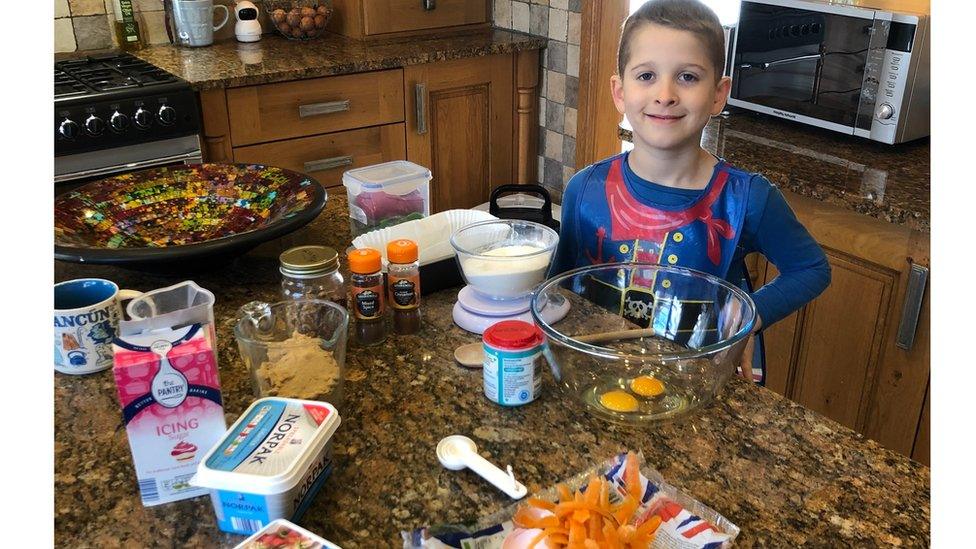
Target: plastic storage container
[[270, 463], [386, 194]]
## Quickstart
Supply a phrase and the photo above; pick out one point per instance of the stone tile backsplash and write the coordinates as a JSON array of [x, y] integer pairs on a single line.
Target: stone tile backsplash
[[87, 24], [559, 22]]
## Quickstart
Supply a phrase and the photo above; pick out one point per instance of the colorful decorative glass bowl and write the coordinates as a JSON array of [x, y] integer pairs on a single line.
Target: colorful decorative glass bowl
[[158, 215]]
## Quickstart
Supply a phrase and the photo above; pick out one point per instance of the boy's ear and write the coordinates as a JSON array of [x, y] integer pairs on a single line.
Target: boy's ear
[[721, 94], [617, 92]]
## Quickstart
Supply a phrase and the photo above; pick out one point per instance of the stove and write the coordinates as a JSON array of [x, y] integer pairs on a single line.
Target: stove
[[115, 112]]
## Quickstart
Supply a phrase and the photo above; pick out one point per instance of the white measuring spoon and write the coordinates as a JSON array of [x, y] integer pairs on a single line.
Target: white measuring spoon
[[169, 385], [457, 452]]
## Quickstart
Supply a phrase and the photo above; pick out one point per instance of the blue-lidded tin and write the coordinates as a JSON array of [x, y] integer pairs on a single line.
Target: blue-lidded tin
[[513, 362]]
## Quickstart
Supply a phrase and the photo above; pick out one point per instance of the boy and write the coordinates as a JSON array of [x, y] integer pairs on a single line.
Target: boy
[[669, 201]]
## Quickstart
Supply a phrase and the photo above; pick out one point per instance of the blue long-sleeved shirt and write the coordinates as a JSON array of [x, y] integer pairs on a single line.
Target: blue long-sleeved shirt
[[769, 227]]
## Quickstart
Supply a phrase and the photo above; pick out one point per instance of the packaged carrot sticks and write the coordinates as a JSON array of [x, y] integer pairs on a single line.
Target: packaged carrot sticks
[[622, 503]]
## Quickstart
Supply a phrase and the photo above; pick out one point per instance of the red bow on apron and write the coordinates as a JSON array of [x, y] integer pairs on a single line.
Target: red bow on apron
[[631, 220]]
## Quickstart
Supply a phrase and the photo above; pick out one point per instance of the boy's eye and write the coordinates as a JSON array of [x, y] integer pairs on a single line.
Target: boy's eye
[[688, 77], [645, 76]]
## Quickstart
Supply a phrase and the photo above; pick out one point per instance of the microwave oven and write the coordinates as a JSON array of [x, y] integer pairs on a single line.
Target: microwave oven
[[859, 67]]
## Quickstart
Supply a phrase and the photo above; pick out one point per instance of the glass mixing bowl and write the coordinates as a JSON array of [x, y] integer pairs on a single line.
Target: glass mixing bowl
[[504, 258], [644, 342]]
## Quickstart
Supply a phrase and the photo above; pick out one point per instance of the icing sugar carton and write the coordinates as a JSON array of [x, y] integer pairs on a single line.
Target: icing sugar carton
[[270, 464], [169, 389]]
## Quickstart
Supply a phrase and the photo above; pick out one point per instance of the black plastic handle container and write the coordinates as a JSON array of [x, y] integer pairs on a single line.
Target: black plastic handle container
[[539, 215]]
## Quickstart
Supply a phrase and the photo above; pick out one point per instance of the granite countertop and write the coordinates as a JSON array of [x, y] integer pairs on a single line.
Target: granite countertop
[[784, 474], [230, 63], [887, 182]]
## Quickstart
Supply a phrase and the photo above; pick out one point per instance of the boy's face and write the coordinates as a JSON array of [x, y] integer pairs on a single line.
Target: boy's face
[[669, 88]]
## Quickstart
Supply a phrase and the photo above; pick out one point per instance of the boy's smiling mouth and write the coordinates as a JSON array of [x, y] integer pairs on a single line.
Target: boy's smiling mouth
[[664, 118]]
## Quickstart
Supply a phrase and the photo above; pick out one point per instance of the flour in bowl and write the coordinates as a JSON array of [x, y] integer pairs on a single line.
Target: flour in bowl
[[503, 273]]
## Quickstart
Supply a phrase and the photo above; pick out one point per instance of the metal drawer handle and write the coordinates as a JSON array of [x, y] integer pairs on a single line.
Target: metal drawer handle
[[315, 109], [327, 163], [913, 306], [420, 92], [429, 4]]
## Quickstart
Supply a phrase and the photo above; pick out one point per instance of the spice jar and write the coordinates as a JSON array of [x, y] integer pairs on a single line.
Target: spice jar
[[312, 272], [403, 274], [366, 283]]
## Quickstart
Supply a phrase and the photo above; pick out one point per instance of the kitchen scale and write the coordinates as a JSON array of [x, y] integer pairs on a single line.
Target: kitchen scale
[[475, 313], [502, 262]]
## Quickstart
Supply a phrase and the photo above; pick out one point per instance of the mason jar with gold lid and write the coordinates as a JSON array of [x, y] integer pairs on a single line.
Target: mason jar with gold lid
[[312, 272]]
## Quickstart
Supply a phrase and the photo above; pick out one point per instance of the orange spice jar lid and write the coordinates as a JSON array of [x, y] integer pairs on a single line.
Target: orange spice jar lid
[[402, 251], [365, 261]]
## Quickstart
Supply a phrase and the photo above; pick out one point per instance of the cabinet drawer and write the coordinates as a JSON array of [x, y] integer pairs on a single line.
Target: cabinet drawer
[[307, 107], [383, 16], [326, 157]]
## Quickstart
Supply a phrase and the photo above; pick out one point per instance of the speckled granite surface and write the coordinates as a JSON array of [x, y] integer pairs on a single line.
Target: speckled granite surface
[[785, 475], [888, 182], [274, 59]]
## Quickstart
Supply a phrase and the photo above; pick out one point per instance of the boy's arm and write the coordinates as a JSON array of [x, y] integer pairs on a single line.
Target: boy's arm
[[804, 272]]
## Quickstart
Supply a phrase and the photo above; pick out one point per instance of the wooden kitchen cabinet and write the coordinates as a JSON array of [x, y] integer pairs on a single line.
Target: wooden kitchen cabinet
[[841, 355], [922, 450], [460, 125], [381, 18], [327, 157], [282, 110], [780, 344], [475, 125]]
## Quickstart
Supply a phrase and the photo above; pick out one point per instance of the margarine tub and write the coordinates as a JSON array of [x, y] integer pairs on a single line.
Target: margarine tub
[[270, 463]]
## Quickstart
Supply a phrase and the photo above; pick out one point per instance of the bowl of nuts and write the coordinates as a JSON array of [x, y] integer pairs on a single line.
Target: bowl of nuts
[[299, 19]]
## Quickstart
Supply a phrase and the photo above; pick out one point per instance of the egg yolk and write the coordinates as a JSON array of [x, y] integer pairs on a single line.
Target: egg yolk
[[619, 401], [647, 386]]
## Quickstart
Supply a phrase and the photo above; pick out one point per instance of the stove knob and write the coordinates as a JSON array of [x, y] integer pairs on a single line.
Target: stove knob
[[119, 121], [167, 115], [885, 111], [94, 125], [69, 128], [143, 118]]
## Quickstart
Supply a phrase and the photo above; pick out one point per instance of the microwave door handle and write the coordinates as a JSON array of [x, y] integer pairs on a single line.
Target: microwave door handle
[[768, 64]]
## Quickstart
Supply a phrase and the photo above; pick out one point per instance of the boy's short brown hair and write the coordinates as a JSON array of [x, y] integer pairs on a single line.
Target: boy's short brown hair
[[686, 15]]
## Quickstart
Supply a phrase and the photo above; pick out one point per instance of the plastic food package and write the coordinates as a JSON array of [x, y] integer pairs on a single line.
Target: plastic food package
[[281, 534], [383, 209], [685, 522]]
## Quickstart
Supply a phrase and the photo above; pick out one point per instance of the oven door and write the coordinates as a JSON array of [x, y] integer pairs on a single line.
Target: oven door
[[815, 63], [72, 171]]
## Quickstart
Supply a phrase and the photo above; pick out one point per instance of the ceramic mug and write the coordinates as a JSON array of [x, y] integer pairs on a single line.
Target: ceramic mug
[[86, 319], [194, 21]]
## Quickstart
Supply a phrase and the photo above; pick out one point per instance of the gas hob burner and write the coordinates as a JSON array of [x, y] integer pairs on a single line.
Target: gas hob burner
[[94, 74]]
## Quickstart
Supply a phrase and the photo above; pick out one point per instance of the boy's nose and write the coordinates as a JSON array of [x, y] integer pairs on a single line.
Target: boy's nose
[[665, 95]]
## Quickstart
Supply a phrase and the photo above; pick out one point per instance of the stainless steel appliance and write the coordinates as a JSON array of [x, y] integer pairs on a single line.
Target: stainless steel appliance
[[115, 113], [859, 67]]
